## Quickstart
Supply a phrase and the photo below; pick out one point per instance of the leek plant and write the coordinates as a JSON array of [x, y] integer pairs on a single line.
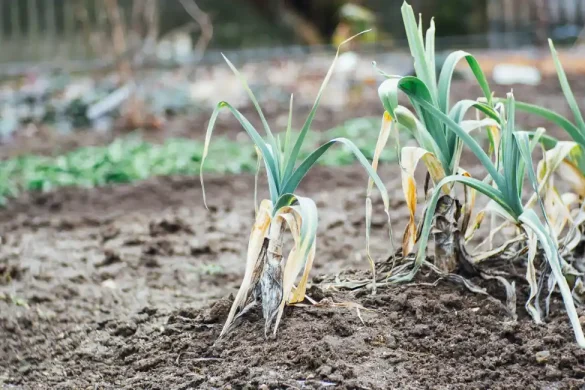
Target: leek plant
[[571, 157], [270, 277], [508, 176], [567, 159], [439, 148]]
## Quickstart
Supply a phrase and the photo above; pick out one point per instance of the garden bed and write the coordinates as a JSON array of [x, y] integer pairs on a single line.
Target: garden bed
[[128, 286]]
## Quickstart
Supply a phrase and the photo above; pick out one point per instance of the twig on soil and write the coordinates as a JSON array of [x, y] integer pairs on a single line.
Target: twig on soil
[[203, 359], [207, 360]]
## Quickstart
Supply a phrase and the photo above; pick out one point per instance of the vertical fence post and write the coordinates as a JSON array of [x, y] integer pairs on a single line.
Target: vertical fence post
[[69, 38], [16, 29], [50, 32], [33, 28], [524, 19], [508, 13], [495, 22], [3, 26], [571, 11]]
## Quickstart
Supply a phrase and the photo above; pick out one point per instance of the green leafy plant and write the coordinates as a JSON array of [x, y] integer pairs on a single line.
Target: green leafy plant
[[439, 148], [571, 159], [441, 131], [269, 278], [132, 159], [508, 176]]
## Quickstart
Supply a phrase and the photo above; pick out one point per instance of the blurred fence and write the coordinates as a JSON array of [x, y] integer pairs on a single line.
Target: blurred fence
[[47, 30], [61, 31], [558, 19], [36, 30]]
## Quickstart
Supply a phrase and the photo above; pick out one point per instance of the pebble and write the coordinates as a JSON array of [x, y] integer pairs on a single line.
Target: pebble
[[109, 284], [325, 370], [421, 330], [552, 373], [542, 356]]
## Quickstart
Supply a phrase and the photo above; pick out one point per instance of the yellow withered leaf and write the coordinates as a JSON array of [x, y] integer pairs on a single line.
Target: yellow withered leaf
[[469, 203], [572, 175], [301, 255], [410, 157], [255, 243], [388, 128], [299, 292], [556, 160]]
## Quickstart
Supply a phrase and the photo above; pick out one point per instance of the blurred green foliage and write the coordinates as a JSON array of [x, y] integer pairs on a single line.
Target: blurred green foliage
[[130, 159]]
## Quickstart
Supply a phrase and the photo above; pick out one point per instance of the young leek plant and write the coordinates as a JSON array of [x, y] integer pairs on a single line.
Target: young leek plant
[[572, 166], [270, 277], [567, 159], [506, 195], [438, 147]]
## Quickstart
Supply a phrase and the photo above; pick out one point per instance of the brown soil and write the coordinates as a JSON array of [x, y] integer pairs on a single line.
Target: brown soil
[[108, 289], [128, 287]]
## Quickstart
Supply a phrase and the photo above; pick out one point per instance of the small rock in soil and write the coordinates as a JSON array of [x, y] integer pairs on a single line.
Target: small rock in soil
[[453, 301], [553, 373], [325, 370], [218, 311], [421, 330], [391, 342], [542, 356], [578, 372], [109, 283], [40, 297], [317, 293]]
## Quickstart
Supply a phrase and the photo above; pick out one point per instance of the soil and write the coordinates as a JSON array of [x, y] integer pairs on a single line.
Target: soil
[[127, 287], [111, 288]]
